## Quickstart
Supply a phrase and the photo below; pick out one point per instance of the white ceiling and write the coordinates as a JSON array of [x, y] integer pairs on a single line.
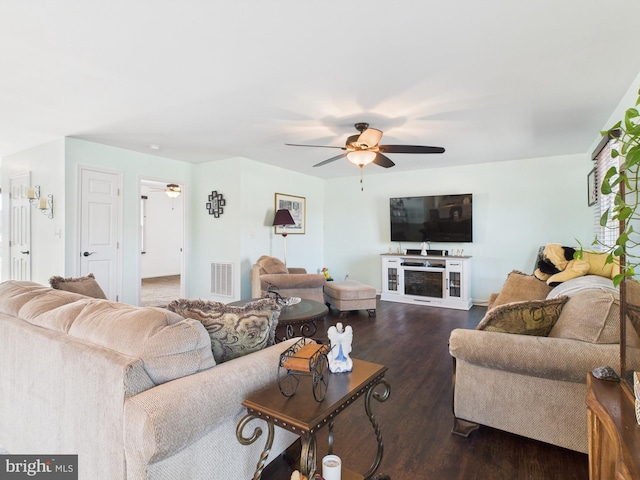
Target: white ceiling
[[211, 79]]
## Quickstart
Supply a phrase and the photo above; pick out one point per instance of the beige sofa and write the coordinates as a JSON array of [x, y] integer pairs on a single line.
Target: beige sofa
[[535, 385], [288, 282], [134, 392]]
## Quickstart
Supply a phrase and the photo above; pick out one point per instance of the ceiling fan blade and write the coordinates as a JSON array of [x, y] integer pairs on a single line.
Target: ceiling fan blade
[[409, 149], [383, 161], [317, 146], [352, 139], [329, 160], [370, 137]]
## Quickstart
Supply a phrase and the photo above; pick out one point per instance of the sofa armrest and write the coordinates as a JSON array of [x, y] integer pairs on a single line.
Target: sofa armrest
[[293, 281], [163, 420], [555, 358]]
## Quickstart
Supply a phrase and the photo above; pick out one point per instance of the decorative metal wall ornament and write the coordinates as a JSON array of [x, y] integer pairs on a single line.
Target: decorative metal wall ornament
[[215, 204]]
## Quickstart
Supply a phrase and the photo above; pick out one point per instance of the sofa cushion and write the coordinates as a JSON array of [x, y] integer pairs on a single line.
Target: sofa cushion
[[83, 285], [591, 316], [271, 265], [234, 331], [170, 346], [592, 313], [520, 287], [16, 293], [535, 317]]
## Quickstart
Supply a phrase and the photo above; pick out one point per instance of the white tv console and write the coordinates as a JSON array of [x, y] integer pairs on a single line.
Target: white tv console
[[437, 281]]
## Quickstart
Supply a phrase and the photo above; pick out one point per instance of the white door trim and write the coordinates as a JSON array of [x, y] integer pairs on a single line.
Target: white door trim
[[185, 215]]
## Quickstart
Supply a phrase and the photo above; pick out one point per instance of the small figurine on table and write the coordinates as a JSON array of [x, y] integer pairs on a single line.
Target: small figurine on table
[[339, 360], [327, 276]]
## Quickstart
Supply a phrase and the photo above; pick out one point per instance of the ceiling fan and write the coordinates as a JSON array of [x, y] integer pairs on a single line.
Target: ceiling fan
[[362, 149]]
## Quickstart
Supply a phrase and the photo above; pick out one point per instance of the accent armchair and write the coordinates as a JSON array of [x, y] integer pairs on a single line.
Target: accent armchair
[[288, 282]]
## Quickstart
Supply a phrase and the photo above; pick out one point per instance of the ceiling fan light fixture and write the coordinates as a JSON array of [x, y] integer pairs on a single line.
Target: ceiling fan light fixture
[[361, 157], [173, 190]]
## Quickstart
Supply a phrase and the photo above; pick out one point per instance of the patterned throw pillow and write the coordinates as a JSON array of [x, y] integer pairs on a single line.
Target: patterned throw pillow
[[234, 331], [536, 317], [83, 285]]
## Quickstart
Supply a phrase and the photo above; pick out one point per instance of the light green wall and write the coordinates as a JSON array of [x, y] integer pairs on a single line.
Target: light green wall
[[517, 207], [244, 232], [46, 164], [133, 166]]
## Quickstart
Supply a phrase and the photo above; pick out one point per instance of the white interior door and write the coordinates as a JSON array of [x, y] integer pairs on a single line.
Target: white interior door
[[99, 229], [20, 227]]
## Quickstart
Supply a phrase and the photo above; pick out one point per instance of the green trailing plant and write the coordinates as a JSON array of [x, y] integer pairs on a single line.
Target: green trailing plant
[[623, 180]]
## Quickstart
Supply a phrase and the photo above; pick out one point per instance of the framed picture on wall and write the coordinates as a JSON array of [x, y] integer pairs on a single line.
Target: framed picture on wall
[[592, 188], [298, 208]]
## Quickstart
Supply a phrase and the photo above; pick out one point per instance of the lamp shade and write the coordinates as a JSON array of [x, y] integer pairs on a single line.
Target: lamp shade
[[361, 157], [173, 190], [282, 218]]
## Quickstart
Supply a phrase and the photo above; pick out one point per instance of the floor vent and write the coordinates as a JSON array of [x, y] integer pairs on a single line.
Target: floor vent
[[222, 279]]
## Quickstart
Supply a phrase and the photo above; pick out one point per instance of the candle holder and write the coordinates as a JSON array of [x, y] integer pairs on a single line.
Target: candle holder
[[33, 194], [45, 205]]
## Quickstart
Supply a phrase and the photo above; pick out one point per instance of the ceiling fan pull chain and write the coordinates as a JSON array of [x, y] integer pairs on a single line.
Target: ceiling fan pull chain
[[361, 179]]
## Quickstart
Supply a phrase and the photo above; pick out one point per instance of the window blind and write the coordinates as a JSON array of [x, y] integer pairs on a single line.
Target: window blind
[[605, 235]]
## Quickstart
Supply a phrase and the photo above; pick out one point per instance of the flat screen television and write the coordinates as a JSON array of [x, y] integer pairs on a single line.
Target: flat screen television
[[434, 218]]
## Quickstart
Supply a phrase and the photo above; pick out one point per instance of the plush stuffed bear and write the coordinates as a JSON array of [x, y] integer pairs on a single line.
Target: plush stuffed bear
[[557, 264]]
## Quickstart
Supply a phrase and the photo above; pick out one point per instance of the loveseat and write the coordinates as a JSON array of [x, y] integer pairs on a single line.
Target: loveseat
[[288, 282], [134, 392], [533, 383]]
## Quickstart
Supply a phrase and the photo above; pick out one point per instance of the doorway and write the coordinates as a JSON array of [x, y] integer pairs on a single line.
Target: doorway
[[162, 240]]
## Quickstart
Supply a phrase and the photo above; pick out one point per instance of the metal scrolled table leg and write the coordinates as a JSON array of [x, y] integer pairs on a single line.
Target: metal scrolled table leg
[[249, 440], [308, 457], [381, 397], [309, 329]]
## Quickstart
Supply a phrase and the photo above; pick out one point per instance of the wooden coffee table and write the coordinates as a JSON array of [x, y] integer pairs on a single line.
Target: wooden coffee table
[[302, 415], [299, 320]]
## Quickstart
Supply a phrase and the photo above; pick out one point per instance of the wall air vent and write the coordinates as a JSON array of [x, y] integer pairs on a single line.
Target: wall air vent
[[222, 279]]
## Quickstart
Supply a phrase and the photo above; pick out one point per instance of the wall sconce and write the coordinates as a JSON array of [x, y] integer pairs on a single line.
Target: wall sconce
[[45, 205], [33, 194]]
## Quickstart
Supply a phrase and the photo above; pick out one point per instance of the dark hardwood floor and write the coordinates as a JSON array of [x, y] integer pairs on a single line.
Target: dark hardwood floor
[[417, 418]]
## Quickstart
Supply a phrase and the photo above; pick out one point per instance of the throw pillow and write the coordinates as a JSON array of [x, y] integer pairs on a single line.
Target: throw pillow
[[520, 287], [590, 315], [536, 317], [83, 285], [272, 265], [632, 288], [234, 331]]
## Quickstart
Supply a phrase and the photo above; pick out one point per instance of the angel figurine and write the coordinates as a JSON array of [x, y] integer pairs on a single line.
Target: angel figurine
[[340, 337]]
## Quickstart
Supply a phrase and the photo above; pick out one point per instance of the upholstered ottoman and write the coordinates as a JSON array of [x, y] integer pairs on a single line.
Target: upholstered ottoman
[[350, 295]]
